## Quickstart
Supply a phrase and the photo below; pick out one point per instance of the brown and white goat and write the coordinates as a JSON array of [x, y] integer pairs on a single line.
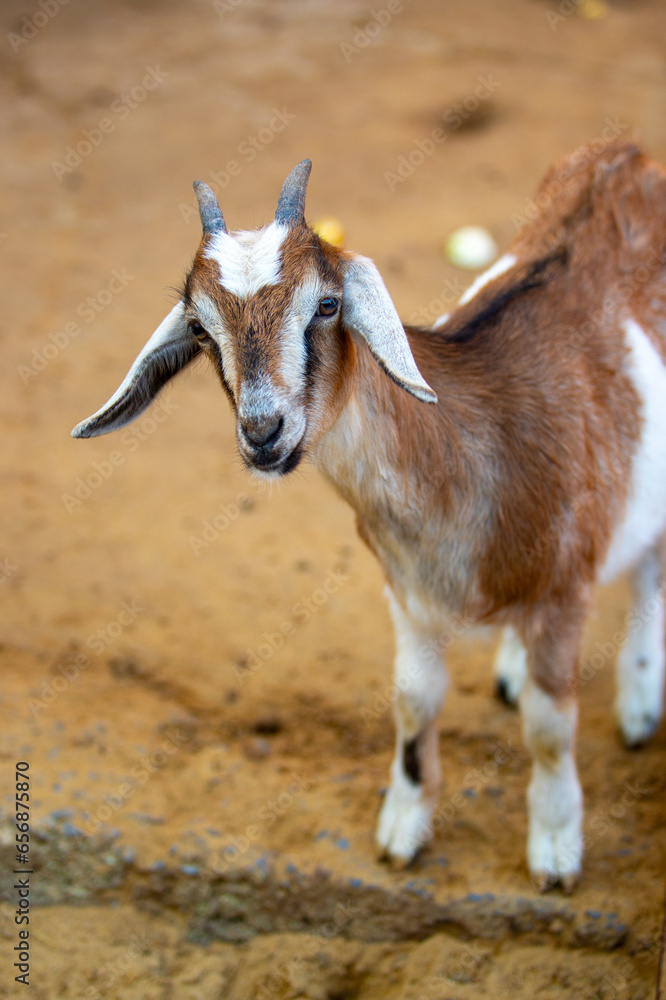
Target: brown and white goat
[[499, 464]]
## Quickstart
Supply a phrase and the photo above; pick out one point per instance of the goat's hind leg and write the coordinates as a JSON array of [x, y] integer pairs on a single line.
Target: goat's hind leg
[[640, 663], [420, 685]]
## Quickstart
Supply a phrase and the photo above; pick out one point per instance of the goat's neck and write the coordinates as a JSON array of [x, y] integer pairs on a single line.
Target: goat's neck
[[389, 453]]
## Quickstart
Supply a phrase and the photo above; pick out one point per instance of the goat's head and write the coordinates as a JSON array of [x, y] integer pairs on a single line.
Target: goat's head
[[276, 311]]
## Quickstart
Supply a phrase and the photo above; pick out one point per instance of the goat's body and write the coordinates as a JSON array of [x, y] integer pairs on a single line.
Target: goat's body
[[541, 470], [544, 462]]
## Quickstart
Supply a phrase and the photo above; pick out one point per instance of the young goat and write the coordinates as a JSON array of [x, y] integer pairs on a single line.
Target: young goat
[[498, 464]]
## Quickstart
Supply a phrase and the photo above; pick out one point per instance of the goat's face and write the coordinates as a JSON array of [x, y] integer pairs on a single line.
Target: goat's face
[[277, 312], [266, 308]]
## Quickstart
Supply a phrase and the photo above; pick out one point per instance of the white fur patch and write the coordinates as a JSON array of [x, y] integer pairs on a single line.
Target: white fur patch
[[420, 674], [420, 677], [554, 797], [209, 317], [499, 267], [511, 664], [404, 825], [292, 336], [248, 261], [640, 664], [645, 518], [440, 321], [555, 838]]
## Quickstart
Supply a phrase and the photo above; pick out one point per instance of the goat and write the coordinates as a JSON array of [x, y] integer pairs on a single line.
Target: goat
[[499, 464]]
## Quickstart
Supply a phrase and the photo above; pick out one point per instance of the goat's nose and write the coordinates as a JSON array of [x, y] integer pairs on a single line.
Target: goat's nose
[[262, 431]]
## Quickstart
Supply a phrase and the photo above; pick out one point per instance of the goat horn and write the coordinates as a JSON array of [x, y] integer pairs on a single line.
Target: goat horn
[[209, 210], [290, 209]]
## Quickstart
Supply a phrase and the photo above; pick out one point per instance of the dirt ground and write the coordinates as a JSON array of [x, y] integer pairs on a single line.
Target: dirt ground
[[204, 789]]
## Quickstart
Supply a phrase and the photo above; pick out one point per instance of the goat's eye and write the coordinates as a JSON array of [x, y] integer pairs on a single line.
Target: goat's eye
[[327, 307], [199, 332]]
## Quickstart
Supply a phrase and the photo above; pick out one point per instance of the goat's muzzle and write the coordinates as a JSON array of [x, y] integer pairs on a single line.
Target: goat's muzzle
[[269, 443]]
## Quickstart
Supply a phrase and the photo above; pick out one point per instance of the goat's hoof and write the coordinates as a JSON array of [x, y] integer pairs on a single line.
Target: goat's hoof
[[637, 728], [545, 881], [403, 828], [395, 862], [555, 853], [569, 882], [506, 692]]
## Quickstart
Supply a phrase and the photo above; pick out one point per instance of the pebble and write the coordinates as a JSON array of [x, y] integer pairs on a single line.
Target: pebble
[[70, 830], [258, 748]]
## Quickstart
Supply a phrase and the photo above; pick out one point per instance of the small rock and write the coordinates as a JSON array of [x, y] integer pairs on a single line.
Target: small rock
[[257, 749]]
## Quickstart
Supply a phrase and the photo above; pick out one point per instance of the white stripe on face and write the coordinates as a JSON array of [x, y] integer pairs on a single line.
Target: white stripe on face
[[211, 320], [248, 261], [292, 335]]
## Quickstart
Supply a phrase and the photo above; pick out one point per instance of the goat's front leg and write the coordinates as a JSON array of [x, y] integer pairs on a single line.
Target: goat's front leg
[[420, 685], [640, 664], [550, 712]]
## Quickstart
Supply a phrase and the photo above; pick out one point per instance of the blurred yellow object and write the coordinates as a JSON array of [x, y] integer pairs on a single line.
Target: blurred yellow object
[[593, 10], [331, 230]]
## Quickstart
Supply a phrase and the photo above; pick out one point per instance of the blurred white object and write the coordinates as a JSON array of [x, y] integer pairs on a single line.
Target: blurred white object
[[471, 247]]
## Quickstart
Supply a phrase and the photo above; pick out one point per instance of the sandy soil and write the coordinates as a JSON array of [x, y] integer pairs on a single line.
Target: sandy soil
[[204, 791]]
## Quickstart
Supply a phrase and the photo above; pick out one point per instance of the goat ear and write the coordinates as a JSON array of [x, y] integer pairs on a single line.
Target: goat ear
[[367, 310], [169, 349]]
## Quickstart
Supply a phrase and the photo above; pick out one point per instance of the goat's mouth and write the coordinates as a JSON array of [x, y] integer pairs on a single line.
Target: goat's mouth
[[274, 462]]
